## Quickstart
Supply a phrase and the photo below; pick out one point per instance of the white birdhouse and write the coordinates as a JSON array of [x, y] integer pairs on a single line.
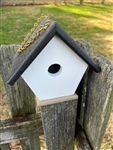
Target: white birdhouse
[[51, 62]]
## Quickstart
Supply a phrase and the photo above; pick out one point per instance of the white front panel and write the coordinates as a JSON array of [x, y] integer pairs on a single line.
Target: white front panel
[[48, 85]]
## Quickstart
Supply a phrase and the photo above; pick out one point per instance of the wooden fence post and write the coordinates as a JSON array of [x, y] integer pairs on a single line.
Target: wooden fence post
[[95, 102], [81, 139], [82, 88], [59, 123], [20, 98], [99, 102]]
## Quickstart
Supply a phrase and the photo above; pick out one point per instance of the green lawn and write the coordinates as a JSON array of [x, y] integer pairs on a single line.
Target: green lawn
[[92, 23]]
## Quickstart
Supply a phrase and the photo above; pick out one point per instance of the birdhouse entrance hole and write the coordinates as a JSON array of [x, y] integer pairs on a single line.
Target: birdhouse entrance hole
[[54, 68]]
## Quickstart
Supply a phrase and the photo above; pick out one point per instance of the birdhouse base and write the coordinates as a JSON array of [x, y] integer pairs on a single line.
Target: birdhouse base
[[59, 119], [57, 100]]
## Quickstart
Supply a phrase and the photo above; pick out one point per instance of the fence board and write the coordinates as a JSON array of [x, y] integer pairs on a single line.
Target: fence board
[[99, 102], [81, 139], [20, 128], [20, 98], [31, 143], [82, 89], [95, 99], [59, 124], [5, 147]]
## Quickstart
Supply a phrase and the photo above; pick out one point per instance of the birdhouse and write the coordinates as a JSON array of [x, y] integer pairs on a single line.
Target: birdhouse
[[50, 61]]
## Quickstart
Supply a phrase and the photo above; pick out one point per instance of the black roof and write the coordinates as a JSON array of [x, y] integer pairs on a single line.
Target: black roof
[[24, 59]]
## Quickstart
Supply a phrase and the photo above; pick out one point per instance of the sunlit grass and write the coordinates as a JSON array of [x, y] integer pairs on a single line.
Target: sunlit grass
[[92, 23]]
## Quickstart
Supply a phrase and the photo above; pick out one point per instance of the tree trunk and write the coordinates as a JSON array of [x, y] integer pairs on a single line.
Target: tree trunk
[[81, 2], [103, 2]]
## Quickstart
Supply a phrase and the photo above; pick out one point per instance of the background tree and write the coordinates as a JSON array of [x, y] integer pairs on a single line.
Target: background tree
[[81, 2]]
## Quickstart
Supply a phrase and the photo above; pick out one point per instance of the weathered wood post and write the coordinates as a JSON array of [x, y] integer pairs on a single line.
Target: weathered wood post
[[59, 119], [53, 73], [99, 102], [96, 100], [20, 98], [82, 88]]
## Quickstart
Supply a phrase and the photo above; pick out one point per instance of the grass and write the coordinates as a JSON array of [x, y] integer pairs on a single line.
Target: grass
[[92, 23]]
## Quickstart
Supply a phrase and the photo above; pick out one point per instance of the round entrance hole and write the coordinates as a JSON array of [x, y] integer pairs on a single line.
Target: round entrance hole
[[54, 68]]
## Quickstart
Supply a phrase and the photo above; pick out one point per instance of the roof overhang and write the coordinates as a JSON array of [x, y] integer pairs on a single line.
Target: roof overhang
[[24, 59]]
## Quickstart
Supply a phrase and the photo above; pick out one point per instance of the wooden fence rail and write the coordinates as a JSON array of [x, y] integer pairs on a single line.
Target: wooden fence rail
[[20, 128]]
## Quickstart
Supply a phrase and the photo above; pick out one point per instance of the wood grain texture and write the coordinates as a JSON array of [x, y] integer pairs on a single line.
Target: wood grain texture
[[81, 139], [82, 88], [20, 98], [99, 102], [20, 128], [5, 147], [94, 94], [31, 144], [59, 125], [82, 92]]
